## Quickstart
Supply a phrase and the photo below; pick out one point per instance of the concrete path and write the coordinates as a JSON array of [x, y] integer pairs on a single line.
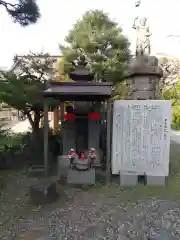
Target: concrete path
[[175, 136]]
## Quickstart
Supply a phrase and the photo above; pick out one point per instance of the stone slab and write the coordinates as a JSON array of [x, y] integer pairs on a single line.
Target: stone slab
[[143, 95], [128, 179], [144, 65], [156, 180], [43, 191], [144, 83], [81, 177], [63, 166], [142, 130]]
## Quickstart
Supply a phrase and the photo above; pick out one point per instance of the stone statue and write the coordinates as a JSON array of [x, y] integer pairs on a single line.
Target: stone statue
[[137, 3], [143, 46]]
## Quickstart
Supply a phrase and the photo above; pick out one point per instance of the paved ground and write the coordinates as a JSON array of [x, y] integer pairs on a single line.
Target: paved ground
[[99, 213], [175, 136]]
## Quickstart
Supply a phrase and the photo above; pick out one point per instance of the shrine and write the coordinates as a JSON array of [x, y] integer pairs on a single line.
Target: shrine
[[82, 123]]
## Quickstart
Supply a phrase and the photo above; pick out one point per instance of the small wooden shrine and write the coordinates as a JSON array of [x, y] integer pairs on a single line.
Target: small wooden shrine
[[83, 92]]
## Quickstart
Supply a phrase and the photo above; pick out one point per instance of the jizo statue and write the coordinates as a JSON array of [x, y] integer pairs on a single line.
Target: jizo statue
[[143, 46]]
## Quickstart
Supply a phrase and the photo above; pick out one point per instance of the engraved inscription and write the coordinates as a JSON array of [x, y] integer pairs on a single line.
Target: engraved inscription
[[141, 136]]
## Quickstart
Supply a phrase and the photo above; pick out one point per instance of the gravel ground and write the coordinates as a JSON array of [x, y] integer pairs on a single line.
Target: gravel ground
[[82, 214]]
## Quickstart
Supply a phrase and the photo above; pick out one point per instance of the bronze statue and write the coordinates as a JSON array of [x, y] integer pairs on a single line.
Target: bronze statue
[[143, 46]]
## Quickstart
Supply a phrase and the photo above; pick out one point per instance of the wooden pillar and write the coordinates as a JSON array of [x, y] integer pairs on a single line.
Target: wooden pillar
[[108, 142], [62, 111], [46, 145], [56, 119]]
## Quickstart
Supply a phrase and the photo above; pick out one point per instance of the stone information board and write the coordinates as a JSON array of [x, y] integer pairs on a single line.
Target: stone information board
[[141, 137]]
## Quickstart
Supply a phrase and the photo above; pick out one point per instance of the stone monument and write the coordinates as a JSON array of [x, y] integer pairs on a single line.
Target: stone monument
[[144, 72], [143, 76], [141, 139]]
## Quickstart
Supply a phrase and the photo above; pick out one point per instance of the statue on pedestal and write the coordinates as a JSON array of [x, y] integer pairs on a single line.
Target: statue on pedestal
[[143, 46]]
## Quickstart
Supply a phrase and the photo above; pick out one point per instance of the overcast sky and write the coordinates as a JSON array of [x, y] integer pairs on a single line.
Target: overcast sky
[[59, 16]]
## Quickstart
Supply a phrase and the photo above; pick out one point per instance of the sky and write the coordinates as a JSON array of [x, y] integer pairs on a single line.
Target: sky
[[58, 17]]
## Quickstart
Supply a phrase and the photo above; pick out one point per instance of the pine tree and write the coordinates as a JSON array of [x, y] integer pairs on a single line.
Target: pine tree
[[24, 12], [101, 40]]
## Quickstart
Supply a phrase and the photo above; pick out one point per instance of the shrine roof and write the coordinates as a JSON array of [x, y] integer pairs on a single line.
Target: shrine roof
[[79, 91]]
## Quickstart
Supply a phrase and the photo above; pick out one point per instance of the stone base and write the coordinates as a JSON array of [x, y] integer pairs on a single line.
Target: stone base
[[43, 191], [128, 179], [63, 166], [156, 180], [81, 177]]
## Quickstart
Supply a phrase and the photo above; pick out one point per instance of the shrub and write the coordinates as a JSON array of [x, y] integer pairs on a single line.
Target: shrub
[[173, 93], [33, 150], [11, 148], [24, 149], [176, 117]]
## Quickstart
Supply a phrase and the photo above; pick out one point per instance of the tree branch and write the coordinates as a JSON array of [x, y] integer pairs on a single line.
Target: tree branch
[[7, 5]]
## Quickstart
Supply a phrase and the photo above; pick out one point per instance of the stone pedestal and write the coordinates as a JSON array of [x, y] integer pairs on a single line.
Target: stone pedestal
[[142, 77], [81, 177], [63, 166], [43, 191], [155, 180], [128, 179]]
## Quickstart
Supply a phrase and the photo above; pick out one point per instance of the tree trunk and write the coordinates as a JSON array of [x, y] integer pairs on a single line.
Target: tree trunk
[[34, 122]]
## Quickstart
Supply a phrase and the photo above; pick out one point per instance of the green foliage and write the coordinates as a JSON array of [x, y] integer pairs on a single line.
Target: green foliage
[[24, 90], [24, 149], [20, 150], [100, 39], [11, 149], [61, 69], [121, 91], [173, 93], [24, 12]]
